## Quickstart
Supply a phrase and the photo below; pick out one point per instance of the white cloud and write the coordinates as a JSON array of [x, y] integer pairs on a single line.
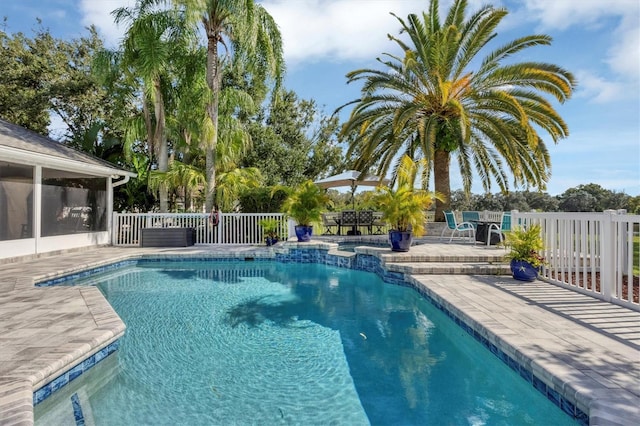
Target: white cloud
[[562, 14], [98, 13], [597, 89], [342, 30], [337, 30], [623, 55]]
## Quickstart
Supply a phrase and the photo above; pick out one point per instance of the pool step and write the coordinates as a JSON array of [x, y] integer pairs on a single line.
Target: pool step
[[450, 268], [492, 257]]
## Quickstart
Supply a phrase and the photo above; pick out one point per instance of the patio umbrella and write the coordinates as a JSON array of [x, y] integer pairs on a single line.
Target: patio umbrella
[[352, 179]]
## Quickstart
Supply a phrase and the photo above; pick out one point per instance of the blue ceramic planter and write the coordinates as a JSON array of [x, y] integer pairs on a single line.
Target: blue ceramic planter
[[523, 270], [304, 233], [271, 240], [400, 240]]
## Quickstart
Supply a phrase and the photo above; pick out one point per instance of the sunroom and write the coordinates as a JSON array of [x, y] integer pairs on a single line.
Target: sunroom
[[52, 197]]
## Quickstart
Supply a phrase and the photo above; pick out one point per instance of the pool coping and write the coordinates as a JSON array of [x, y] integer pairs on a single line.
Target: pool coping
[[14, 395]]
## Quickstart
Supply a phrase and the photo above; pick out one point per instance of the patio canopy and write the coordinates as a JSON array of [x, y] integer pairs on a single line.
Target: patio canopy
[[352, 179]]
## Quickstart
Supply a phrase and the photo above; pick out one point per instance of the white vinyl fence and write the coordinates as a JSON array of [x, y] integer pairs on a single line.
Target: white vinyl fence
[[592, 253], [232, 228]]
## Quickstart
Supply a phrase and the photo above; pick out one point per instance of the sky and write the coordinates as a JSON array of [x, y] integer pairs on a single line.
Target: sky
[[598, 41]]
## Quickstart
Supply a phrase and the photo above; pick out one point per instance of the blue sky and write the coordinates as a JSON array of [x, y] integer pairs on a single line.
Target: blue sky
[[598, 41]]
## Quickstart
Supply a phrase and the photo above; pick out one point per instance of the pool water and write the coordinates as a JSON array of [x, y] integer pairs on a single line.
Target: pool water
[[270, 343]]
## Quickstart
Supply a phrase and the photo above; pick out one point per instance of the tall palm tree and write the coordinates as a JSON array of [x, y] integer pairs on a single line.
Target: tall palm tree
[[147, 53], [191, 124], [439, 99], [241, 27]]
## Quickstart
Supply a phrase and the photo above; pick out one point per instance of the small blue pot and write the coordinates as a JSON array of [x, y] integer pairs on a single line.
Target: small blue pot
[[400, 240], [304, 233], [271, 240], [523, 271]]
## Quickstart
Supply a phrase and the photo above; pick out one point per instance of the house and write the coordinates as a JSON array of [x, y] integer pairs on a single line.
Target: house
[[52, 197]]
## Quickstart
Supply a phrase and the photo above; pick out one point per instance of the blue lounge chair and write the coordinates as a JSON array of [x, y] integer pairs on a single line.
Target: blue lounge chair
[[453, 226], [505, 226]]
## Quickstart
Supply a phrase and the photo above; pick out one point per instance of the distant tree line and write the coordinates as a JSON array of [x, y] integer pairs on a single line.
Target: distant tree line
[[583, 198]]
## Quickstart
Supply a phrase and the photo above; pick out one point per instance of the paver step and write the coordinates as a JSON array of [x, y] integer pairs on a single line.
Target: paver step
[[432, 256], [450, 268]]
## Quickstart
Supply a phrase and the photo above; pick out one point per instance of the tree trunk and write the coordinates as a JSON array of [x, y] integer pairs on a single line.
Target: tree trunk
[[160, 140], [213, 81], [441, 182]]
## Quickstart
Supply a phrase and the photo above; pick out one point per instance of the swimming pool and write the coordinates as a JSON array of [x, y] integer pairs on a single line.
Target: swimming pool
[[273, 343]]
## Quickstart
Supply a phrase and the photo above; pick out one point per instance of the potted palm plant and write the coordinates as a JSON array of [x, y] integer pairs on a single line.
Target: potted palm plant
[[270, 228], [305, 205], [525, 246], [405, 206]]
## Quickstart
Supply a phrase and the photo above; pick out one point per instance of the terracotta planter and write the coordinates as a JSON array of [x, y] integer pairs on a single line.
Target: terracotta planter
[[523, 271]]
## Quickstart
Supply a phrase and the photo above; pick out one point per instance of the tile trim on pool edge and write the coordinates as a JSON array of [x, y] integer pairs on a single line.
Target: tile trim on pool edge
[[73, 373], [366, 263]]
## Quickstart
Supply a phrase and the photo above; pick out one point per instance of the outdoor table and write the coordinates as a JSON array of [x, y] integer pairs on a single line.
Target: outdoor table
[[482, 232], [353, 231]]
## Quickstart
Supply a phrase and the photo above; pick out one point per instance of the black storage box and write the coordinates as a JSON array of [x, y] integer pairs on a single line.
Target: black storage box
[[168, 237]]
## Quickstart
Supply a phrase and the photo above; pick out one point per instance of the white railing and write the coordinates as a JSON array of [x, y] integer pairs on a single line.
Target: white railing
[[592, 253], [232, 228], [484, 216]]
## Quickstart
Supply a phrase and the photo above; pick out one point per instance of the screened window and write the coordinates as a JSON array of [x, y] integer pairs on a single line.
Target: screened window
[[16, 201], [72, 203]]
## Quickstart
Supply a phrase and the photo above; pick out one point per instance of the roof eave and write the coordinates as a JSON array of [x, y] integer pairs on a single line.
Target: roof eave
[[36, 159]]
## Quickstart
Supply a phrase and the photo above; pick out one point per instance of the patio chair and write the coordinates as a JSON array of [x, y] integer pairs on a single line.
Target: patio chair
[[365, 219], [460, 228], [471, 217], [505, 226], [379, 223], [349, 219], [329, 221]]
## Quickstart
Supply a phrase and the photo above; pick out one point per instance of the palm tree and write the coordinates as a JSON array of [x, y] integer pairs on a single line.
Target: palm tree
[[432, 103], [185, 178], [191, 124], [246, 29], [147, 54]]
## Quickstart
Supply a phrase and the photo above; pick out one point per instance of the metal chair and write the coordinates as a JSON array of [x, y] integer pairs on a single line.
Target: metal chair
[[329, 221], [505, 226], [379, 223], [349, 219], [454, 226], [365, 219], [471, 217]]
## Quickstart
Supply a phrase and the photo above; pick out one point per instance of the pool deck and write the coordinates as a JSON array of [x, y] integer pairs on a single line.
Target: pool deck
[[586, 347]]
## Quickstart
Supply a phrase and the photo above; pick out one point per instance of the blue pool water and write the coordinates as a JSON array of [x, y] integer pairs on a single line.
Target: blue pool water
[[270, 343]]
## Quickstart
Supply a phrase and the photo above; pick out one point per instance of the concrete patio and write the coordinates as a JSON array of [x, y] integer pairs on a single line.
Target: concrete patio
[[588, 348]]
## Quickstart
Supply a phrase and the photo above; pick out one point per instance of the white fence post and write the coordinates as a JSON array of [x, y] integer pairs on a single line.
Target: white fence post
[[291, 228], [607, 252], [114, 227]]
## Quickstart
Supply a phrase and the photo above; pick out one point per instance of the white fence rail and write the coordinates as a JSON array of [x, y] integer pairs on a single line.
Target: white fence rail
[[232, 228], [593, 253]]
